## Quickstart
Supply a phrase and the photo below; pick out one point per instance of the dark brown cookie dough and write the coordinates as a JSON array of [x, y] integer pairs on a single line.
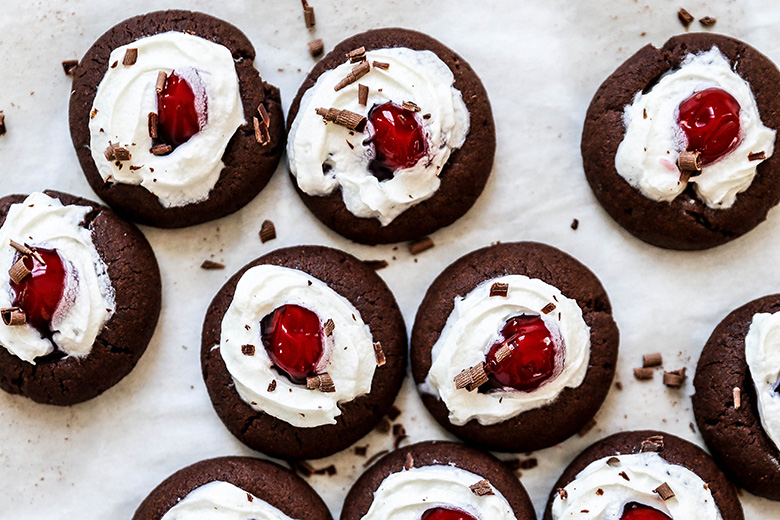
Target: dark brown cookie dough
[[433, 453], [675, 451], [359, 284], [248, 165], [267, 481], [574, 407], [686, 222], [464, 175], [133, 271], [735, 436]]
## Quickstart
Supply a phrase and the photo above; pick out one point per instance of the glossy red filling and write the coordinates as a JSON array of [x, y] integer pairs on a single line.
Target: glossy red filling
[[445, 513], [178, 118], [634, 511], [710, 121], [292, 336], [398, 138], [39, 294]]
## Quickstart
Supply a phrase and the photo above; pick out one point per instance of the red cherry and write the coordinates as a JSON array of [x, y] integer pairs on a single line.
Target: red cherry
[[178, 118], [40, 292], [532, 361], [710, 120], [445, 513], [398, 138], [634, 511], [293, 339]]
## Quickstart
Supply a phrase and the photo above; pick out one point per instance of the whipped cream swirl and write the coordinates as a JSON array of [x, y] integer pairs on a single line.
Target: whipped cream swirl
[[220, 500], [762, 352]]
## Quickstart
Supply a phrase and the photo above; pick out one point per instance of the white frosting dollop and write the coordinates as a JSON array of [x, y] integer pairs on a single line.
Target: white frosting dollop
[[762, 352], [647, 156], [407, 494], [349, 356], [645, 472], [220, 500], [474, 325], [126, 96], [417, 76], [88, 298]]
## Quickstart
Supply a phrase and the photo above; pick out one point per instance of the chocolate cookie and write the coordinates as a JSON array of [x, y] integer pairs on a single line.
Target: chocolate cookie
[[686, 221], [726, 405], [247, 162], [496, 481], [288, 409], [464, 174], [552, 299], [270, 483], [131, 268], [672, 450]]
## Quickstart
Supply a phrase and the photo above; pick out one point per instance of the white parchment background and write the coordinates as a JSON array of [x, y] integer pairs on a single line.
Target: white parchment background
[[540, 62]]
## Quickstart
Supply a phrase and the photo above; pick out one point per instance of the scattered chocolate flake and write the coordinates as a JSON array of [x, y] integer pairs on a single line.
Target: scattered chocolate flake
[[499, 289], [355, 74], [19, 270], [327, 470], [689, 164], [652, 360], [599, 491], [575, 224], [409, 463], [267, 231], [328, 327], [302, 467], [152, 122], [316, 47], [471, 378], [618, 385], [321, 382], [361, 451], [131, 56], [737, 393], [623, 474], [160, 85], [757, 156], [134, 167], [356, 55], [394, 413], [379, 353], [613, 461], [210, 264], [547, 309], [685, 17], [383, 426], [262, 134], [272, 385], [69, 66], [376, 265], [114, 152], [644, 113], [562, 493], [308, 14], [13, 316], [708, 21], [674, 378], [3, 129], [692, 427], [345, 118], [529, 463], [502, 353], [399, 440], [248, 349], [351, 146], [250, 498], [398, 430], [482, 488], [664, 491], [381, 65], [426, 116], [643, 373], [161, 149], [113, 65], [418, 246], [587, 428], [652, 444], [362, 94], [93, 113], [511, 464], [374, 458], [411, 106]]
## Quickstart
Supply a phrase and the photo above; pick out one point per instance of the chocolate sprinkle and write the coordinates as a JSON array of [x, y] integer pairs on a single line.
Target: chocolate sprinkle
[[418, 246], [482, 488], [267, 231], [210, 264], [69, 66], [499, 289]]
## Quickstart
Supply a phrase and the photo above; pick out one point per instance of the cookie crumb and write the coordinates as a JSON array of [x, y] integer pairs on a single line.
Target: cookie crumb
[[361, 451], [210, 264], [618, 385]]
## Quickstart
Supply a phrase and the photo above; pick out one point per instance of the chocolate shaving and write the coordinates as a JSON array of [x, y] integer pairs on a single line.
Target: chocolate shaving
[[160, 85], [599, 491], [328, 327], [623, 474], [356, 55], [674, 378], [308, 14], [321, 382], [409, 462], [376, 265], [161, 149], [2, 123], [362, 94], [562, 493], [737, 393], [547, 309], [689, 164], [327, 470], [482, 488], [411, 106], [345, 118], [69, 66], [383, 426], [652, 360], [618, 385], [757, 156], [502, 353], [613, 461], [248, 350], [471, 378], [374, 458], [418, 246], [361, 451], [114, 152], [708, 21], [152, 121], [267, 231], [250, 498], [262, 135], [652, 444], [272, 385], [399, 430], [394, 413], [355, 74], [685, 17], [575, 224], [265, 118], [426, 116], [302, 467], [499, 289], [664, 491], [210, 264], [93, 113], [19, 270], [381, 65], [13, 316], [379, 354], [131, 56], [643, 373], [529, 463], [587, 428], [316, 47]]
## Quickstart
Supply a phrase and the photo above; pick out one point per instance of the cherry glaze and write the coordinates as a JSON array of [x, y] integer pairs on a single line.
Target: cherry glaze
[[532, 361], [177, 115], [39, 294], [634, 511], [398, 139], [445, 513], [292, 336], [710, 120]]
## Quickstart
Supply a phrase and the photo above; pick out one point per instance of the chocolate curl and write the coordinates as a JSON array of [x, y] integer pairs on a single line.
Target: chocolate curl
[[160, 85], [643, 373], [499, 289], [675, 378], [152, 122], [503, 353], [308, 14], [356, 55], [267, 231], [27, 250], [19, 271], [322, 382], [131, 56], [161, 149], [355, 74], [472, 378], [664, 491], [547, 309], [379, 353], [344, 118], [653, 444], [362, 94], [689, 164], [329, 327], [13, 316], [652, 360], [411, 106]]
